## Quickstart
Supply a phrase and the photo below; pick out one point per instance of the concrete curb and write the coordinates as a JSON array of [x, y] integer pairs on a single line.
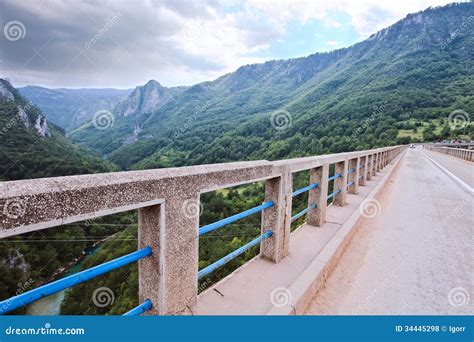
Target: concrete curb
[[307, 285]]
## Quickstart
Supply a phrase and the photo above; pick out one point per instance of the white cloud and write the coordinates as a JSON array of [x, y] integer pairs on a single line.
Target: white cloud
[[173, 41], [367, 16]]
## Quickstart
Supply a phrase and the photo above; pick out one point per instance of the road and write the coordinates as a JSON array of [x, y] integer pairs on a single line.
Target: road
[[416, 256]]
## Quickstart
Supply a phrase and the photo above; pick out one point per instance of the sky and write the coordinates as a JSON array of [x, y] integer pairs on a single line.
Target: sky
[[122, 44]]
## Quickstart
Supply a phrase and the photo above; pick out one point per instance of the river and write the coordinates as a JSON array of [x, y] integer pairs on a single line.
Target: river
[[51, 305]]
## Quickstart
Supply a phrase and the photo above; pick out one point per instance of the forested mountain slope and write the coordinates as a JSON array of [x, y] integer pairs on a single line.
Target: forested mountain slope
[[32, 147], [71, 108], [411, 74]]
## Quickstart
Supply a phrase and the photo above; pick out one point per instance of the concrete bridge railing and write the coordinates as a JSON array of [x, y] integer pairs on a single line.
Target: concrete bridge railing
[[167, 201], [455, 152]]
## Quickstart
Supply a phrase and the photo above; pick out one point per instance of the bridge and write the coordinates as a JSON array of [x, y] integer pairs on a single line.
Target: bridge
[[462, 145], [376, 207]]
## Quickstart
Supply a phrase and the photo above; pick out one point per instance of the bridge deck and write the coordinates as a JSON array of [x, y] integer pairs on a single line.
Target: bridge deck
[[407, 259]]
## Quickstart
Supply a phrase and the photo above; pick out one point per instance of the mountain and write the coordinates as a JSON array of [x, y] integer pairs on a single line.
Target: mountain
[[71, 108], [31, 147], [399, 84], [146, 98], [128, 117]]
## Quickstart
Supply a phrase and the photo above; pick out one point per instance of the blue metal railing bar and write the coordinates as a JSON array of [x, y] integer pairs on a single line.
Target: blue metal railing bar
[[337, 175], [351, 171], [333, 194], [64, 283], [137, 311], [221, 262], [221, 223], [300, 191], [360, 176], [304, 211], [350, 183]]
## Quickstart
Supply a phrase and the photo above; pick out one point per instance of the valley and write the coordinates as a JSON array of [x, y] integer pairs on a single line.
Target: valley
[[400, 86]]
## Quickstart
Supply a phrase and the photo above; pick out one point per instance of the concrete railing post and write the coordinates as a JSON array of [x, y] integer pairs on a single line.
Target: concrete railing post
[[374, 164], [277, 218], [170, 274], [353, 177], [318, 195], [149, 275], [363, 170], [369, 166], [341, 184]]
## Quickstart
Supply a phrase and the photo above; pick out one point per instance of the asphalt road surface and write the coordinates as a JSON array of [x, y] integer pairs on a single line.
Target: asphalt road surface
[[416, 255]]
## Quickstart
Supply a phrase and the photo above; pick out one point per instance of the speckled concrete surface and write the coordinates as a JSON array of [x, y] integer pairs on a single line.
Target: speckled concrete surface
[[166, 223]]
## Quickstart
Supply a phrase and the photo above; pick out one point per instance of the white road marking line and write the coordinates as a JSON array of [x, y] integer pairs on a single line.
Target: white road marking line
[[463, 185]]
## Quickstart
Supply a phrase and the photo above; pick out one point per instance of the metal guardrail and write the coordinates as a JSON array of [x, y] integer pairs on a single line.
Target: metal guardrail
[[221, 262], [80, 277], [159, 196], [303, 190], [74, 279], [303, 212], [333, 194], [221, 223], [336, 176], [311, 206], [140, 309], [314, 185]]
